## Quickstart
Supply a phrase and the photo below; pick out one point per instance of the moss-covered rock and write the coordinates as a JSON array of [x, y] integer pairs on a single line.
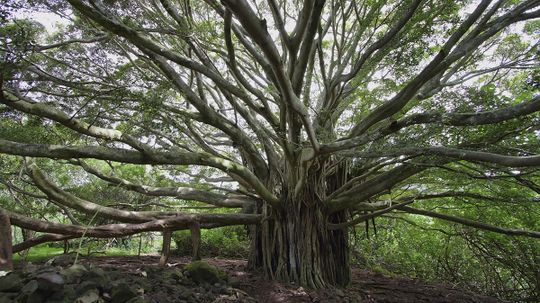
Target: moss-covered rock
[[11, 282], [122, 293], [74, 273], [202, 272]]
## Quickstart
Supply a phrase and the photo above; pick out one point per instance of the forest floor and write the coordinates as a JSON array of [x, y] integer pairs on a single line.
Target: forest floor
[[366, 286]]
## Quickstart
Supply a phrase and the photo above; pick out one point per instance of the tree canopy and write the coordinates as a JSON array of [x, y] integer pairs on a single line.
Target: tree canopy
[[310, 116]]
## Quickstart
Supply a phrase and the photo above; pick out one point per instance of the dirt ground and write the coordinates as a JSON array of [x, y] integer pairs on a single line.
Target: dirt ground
[[366, 286]]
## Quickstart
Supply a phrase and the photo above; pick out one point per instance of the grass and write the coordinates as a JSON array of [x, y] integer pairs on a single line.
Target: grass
[[44, 252], [39, 253]]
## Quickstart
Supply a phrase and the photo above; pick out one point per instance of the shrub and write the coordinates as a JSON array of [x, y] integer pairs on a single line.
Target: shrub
[[230, 242]]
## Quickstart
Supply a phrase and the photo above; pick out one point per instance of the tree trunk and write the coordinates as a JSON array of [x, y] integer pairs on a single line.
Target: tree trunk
[[297, 247], [195, 241], [140, 245], [6, 245], [294, 244], [27, 234], [166, 248]]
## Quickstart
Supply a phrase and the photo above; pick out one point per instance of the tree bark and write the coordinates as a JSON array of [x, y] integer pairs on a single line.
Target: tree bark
[[166, 248], [140, 245], [6, 245], [195, 241], [295, 243], [297, 247]]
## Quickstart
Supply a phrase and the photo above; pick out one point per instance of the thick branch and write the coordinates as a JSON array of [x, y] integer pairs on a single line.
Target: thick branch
[[39, 240], [130, 156], [43, 110], [470, 155], [177, 192], [472, 223], [119, 230], [451, 119], [364, 218]]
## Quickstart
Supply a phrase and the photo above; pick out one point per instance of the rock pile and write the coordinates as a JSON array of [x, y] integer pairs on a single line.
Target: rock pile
[[197, 282]]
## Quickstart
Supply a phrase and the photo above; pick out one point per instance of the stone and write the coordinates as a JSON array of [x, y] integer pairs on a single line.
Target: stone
[[50, 281], [139, 299], [90, 296], [122, 293], [85, 287], [10, 282], [30, 287], [202, 272], [62, 260], [74, 273], [186, 293], [98, 276], [234, 282], [175, 274], [35, 297], [7, 297]]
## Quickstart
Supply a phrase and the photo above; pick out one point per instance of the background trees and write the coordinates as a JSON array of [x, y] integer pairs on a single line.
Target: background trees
[[312, 116]]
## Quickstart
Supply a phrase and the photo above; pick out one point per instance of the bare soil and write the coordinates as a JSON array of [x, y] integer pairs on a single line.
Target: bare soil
[[366, 286]]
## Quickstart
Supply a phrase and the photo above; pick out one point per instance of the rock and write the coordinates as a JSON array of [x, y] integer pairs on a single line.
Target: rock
[[99, 277], [35, 297], [30, 268], [175, 274], [122, 293], [90, 296], [86, 286], [74, 273], [29, 287], [7, 297], [62, 260], [139, 299], [10, 282], [97, 272], [66, 295], [339, 292], [50, 282], [234, 282], [202, 272], [186, 293]]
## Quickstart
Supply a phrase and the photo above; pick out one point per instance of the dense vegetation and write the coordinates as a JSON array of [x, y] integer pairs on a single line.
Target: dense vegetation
[[312, 123]]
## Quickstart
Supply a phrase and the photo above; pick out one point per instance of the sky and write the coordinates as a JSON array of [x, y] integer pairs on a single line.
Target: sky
[[52, 22]]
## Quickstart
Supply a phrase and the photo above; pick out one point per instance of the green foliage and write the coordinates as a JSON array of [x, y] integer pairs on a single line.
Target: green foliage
[[229, 242], [16, 40], [38, 253], [436, 251]]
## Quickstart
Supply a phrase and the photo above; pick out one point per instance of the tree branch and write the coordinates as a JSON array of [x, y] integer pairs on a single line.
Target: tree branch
[[472, 223]]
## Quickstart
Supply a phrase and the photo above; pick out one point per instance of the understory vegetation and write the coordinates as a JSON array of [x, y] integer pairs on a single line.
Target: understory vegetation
[[485, 263], [305, 137]]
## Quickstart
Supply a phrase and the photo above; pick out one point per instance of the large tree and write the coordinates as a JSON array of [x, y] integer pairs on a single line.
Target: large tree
[[324, 114]]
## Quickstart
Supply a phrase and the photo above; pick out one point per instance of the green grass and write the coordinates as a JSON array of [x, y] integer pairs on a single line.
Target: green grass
[[39, 253], [44, 252]]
